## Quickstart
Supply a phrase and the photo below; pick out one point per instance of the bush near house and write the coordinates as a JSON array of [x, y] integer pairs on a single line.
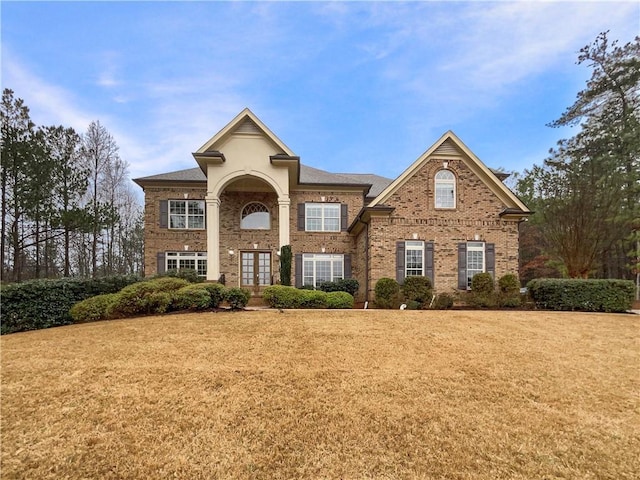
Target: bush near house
[[387, 293], [237, 298], [349, 285], [483, 294], [151, 296], [339, 300], [40, 304], [509, 291], [582, 295], [444, 301], [417, 292], [281, 296]]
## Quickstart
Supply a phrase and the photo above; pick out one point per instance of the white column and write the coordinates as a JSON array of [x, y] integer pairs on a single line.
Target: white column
[[283, 219], [213, 238]]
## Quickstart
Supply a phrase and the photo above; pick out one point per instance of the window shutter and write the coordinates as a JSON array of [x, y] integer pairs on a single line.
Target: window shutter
[[347, 266], [301, 217], [160, 268], [462, 266], [490, 260], [400, 262], [428, 261], [298, 259], [344, 217], [164, 213]]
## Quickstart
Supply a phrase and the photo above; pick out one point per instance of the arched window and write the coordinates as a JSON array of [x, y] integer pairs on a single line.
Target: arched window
[[445, 189], [255, 216]]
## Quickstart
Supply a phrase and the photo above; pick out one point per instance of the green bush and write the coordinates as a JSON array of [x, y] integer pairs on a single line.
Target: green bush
[[387, 293], [313, 299], [509, 291], [139, 298], [160, 302], [583, 295], [39, 304], [349, 285], [188, 274], [237, 298], [282, 296], [285, 265], [192, 297], [92, 309], [339, 300], [443, 301], [483, 293], [216, 293], [417, 289]]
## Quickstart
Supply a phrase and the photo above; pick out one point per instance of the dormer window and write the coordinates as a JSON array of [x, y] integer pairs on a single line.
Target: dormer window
[[445, 189]]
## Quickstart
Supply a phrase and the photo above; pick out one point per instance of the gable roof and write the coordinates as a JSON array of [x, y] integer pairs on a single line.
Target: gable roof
[[248, 123], [448, 145]]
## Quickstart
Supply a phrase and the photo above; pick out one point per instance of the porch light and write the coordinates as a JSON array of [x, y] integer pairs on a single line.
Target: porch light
[[231, 252]]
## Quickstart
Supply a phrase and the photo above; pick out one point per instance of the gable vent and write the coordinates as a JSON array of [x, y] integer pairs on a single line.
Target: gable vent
[[447, 148], [248, 126]]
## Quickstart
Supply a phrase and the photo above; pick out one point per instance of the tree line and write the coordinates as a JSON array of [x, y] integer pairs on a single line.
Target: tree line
[[67, 205], [586, 194]]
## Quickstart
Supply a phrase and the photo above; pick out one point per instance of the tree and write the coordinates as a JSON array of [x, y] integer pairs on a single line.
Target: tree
[[588, 191]]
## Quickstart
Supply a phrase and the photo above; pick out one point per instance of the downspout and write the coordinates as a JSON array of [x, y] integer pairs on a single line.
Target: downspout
[[366, 263]]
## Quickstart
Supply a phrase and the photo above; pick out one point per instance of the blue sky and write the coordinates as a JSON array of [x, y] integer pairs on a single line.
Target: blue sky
[[348, 86]]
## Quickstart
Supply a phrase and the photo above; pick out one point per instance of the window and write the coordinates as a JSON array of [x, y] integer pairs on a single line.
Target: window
[[475, 260], [194, 260], [445, 188], [322, 217], [187, 214], [414, 258], [255, 216], [318, 268]]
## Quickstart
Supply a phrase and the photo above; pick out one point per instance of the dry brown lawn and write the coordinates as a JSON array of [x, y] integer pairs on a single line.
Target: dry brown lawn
[[317, 394]]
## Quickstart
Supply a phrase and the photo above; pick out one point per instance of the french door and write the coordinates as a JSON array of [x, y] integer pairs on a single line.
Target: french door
[[256, 270]]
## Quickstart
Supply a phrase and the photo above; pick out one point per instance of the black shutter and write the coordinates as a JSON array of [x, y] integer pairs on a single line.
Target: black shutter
[[160, 267], [428, 261], [347, 266], [344, 217], [462, 266], [298, 261], [164, 213], [301, 217], [490, 261], [400, 262]]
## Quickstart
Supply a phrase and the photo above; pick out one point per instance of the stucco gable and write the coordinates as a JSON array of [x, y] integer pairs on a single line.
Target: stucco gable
[[450, 146]]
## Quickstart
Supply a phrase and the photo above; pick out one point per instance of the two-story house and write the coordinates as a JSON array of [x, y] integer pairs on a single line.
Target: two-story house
[[447, 216]]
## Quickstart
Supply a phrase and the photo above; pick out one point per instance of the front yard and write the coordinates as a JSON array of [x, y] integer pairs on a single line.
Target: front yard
[[325, 394]]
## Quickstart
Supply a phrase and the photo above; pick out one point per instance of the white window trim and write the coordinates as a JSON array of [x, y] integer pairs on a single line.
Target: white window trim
[[409, 246], [323, 207], [476, 247], [187, 215], [324, 257], [452, 182], [199, 257]]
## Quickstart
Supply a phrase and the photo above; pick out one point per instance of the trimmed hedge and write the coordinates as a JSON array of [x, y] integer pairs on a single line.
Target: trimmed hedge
[[281, 296], [237, 298], [582, 295], [147, 297], [417, 289], [349, 285], [40, 304]]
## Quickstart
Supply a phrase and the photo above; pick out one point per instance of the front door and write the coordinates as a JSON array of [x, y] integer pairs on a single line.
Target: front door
[[256, 270]]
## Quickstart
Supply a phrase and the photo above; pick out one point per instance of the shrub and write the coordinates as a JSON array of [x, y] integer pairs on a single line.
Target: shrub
[[188, 274], [509, 291], [387, 292], [483, 294], [285, 265], [216, 293], [585, 295], [160, 302], [417, 289], [39, 304], [237, 298], [349, 285], [313, 299], [282, 296], [192, 297], [138, 298], [92, 309], [339, 300], [443, 301]]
